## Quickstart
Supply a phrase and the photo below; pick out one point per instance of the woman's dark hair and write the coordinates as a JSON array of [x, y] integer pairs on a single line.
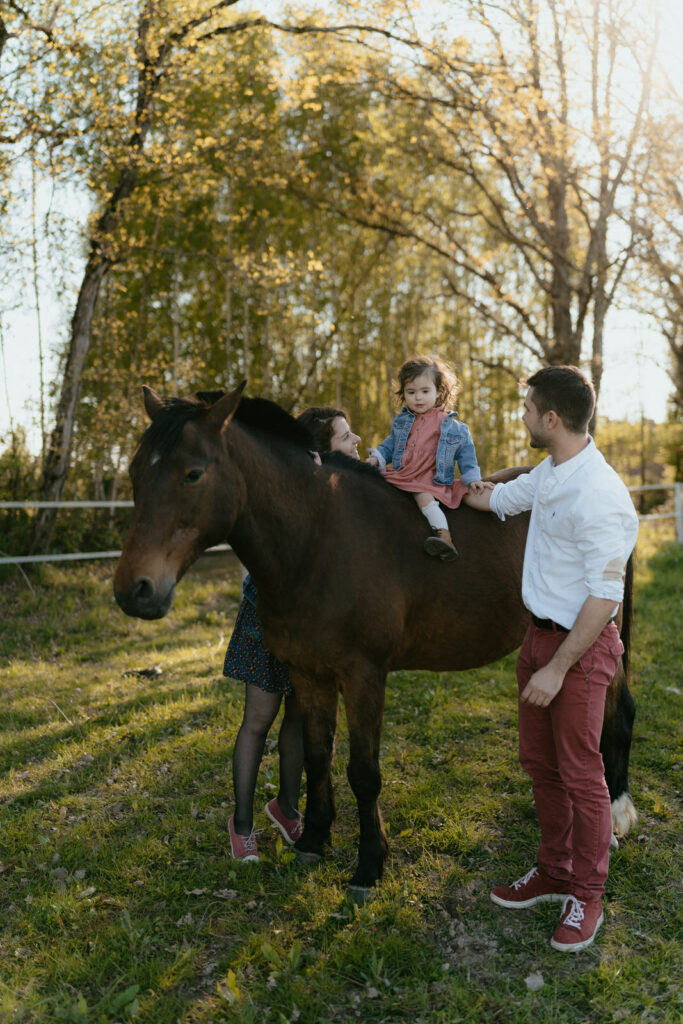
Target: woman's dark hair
[[319, 421], [567, 391], [443, 375]]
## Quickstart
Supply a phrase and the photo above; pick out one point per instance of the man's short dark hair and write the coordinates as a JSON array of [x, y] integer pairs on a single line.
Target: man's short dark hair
[[566, 391]]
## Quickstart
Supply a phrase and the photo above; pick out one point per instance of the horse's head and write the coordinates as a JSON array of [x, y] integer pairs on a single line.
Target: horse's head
[[175, 483]]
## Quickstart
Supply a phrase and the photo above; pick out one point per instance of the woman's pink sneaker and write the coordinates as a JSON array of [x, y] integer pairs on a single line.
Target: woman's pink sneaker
[[243, 848], [291, 828]]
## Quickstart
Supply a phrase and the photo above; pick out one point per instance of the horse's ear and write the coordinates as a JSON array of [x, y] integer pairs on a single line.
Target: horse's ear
[[222, 411], [153, 404]]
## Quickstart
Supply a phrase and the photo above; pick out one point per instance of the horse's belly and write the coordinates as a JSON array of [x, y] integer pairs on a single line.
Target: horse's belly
[[455, 642]]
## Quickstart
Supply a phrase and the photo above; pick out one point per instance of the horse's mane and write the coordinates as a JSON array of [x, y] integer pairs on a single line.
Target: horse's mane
[[163, 434], [262, 414], [338, 460]]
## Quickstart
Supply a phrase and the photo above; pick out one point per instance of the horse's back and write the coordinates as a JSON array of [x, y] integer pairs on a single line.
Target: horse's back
[[468, 612], [397, 605]]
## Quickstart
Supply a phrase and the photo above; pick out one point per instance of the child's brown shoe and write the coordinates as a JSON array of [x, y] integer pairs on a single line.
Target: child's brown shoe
[[441, 546]]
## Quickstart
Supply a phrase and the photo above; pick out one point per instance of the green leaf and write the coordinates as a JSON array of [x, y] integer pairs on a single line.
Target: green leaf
[[124, 998]]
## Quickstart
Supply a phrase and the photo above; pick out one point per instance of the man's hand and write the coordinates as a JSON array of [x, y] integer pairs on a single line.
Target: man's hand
[[543, 686]]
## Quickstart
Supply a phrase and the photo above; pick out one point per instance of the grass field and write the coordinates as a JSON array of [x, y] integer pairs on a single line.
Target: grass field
[[118, 897]]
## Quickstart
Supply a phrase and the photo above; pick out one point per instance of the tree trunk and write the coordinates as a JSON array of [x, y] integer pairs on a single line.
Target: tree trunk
[[600, 306], [678, 382], [58, 456], [227, 306], [560, 346]]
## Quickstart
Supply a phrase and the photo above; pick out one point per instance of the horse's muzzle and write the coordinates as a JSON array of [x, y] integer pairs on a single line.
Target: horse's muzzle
[[145, 600]]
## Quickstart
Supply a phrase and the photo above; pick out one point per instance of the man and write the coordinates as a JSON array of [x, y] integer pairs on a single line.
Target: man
[[583, 528]]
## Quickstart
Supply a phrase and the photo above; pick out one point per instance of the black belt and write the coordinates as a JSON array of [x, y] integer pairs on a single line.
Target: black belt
[[548, 624]]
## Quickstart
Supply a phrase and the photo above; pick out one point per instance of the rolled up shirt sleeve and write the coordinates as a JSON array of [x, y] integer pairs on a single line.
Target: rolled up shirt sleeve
[[606, 533]]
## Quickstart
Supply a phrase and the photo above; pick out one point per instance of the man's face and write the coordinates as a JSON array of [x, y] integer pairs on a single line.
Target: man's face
[[534, 422]]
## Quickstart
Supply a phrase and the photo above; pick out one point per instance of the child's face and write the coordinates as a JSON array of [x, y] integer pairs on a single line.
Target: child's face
[[419, 394]]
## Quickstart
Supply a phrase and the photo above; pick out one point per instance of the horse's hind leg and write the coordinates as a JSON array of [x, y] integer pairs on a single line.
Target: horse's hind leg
[[364, 700], [318, 703], [615, 745]]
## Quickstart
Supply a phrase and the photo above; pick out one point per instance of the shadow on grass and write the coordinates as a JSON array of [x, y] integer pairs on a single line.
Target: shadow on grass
[[115, 725]]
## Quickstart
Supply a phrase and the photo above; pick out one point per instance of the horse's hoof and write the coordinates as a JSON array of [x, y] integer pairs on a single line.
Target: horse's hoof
[[307, 857], [624, 815], [360, 894]]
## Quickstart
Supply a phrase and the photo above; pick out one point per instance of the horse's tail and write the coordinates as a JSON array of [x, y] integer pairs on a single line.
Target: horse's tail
[[627, 615], [617, 730]]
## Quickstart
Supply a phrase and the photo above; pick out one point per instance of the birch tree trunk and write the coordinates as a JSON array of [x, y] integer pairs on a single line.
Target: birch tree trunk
[[58, 454]]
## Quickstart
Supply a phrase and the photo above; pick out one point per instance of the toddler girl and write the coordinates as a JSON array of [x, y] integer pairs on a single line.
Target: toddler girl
[[425, 443]]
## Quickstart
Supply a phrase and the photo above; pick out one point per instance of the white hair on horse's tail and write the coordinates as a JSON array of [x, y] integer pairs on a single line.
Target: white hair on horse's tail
[[624, 814]]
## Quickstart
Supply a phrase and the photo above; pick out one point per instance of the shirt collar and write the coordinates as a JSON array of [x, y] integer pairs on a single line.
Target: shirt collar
[[568, 468]]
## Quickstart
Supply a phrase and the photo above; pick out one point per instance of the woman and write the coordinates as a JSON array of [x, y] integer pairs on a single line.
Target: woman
[[266, 682]]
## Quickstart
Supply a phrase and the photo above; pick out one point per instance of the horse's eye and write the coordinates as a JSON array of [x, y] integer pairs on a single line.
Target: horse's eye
[[192, 476]]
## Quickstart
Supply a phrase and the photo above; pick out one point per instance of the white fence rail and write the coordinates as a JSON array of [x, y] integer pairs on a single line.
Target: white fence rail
[[83, 556], [76, 556]]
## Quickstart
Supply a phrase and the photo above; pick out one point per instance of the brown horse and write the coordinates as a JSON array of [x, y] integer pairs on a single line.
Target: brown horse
[[346, 593]]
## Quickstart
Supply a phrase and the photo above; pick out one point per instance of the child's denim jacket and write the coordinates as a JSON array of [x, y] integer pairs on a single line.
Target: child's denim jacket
[[455, 445]]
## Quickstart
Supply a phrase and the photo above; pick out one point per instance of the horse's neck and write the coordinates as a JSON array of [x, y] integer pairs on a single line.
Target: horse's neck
[[272, 534]]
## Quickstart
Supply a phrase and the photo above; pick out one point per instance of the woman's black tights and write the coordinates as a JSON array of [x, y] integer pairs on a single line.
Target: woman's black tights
[[260, 711]]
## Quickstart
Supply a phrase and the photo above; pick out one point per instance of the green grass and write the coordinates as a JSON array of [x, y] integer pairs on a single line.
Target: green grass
[[118, 898]]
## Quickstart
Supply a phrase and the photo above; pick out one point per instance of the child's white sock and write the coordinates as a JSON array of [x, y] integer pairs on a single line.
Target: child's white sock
[[434, 515]]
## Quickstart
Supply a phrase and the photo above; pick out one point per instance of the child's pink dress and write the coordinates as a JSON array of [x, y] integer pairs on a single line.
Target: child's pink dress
[[418, 465]]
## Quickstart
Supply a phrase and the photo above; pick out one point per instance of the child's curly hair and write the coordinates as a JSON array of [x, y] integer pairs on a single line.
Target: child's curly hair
[[443, 374]]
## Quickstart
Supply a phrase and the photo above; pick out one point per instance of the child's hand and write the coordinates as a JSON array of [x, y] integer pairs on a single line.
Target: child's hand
[[372, 461], [480, 486]]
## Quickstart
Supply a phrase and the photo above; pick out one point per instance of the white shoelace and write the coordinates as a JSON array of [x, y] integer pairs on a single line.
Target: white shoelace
[[250, 842], [575, 916], [527, 878]]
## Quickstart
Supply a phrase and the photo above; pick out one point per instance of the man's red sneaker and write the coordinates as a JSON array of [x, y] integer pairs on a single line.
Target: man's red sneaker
[[535, 887], [291, 828], [243, 848], [578, 926]]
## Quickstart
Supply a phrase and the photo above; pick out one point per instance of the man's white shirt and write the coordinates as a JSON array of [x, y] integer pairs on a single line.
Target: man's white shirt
[[583, 528]]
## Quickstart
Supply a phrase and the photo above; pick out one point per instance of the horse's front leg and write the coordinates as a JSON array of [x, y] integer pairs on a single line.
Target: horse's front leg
[[364, 701], [318, 702]]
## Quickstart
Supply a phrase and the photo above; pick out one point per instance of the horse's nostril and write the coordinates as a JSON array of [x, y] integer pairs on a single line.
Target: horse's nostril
[[142, 590], [146, 599]]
